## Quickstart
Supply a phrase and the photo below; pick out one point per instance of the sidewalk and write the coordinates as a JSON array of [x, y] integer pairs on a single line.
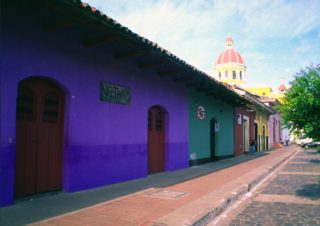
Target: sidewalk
[[186, 197], [291, 196]]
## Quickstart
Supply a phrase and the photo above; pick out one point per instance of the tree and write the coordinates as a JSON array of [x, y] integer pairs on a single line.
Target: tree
[[300, 109]]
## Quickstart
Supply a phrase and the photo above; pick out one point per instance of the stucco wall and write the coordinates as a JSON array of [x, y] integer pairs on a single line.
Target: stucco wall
[[199, 132], [104, 142], [274, 129], [262, 121], [238, 135]]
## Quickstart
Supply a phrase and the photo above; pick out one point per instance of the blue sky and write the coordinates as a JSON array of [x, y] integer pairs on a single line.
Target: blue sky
[[276, 37]]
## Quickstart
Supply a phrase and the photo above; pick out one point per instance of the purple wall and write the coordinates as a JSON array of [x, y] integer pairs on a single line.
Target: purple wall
[[274, 130], [104, 143]]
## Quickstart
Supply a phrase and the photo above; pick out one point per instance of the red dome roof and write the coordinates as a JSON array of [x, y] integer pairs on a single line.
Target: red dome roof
[[282, 87], [230, 55]]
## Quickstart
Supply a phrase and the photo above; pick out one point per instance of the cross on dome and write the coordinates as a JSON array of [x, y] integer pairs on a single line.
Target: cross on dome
[[229, 42]]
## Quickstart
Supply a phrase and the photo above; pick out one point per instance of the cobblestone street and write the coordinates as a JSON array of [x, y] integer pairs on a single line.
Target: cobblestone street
[[290, 197]]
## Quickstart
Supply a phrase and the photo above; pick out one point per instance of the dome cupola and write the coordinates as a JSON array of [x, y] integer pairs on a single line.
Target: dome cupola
[[229, 65]]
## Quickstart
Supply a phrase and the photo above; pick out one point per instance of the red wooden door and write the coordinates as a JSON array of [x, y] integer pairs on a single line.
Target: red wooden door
[[39, 137], [156, 136]]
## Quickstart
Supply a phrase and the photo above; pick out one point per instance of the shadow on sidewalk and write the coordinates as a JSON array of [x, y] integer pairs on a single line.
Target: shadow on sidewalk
[[315, 161], [311, 191]]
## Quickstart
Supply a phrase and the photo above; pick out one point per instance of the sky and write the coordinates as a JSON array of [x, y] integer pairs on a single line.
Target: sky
[[277, 38]]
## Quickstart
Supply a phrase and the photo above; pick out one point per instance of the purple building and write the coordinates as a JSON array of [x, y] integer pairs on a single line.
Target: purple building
[[78, 113], [85, 102]]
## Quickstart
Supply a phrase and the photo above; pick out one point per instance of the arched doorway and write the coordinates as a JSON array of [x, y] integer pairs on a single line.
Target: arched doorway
[[274, 131], [279, 132], [263, 137], [214, 128], [246, 134], [256, 136], [156, 140], [39, 137]]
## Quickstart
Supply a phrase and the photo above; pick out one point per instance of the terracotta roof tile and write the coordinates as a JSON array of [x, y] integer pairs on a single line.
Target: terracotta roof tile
[[82, 6]]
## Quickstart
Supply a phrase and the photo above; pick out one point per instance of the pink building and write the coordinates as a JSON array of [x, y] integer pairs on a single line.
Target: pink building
[[274, 130]]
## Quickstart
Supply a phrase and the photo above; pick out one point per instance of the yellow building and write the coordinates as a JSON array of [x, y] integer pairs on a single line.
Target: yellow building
[[261, 118], [260, 91], [230, 66], [268, 92], [262, 130], [280, 94]]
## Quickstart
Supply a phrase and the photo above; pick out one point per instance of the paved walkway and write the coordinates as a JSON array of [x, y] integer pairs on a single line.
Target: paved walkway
[[186, 197], [289, 197]]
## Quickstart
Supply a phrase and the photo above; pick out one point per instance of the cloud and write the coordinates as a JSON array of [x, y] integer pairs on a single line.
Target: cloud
[[280, 18]]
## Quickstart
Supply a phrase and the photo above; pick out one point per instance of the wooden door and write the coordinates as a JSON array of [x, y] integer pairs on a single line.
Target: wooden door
[[256, 136], [39, 137], [213, 123], [156, 140], [280, 135], [263, 137]]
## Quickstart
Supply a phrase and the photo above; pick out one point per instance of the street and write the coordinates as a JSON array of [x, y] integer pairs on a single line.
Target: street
[[193, 196], [291, 196]]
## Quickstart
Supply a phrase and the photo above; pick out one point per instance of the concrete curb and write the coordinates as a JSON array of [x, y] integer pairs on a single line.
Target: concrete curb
[[235, 196]]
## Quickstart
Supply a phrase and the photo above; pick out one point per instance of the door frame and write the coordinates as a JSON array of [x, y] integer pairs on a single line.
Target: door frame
[[65, 92], [264, 136], [165, 131], [274, 130], [244, 139], [213, 138], [256, 135]]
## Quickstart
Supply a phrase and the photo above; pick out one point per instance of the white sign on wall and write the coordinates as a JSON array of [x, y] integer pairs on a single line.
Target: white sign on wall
[[216, 127], [193, 156], [239, 119]]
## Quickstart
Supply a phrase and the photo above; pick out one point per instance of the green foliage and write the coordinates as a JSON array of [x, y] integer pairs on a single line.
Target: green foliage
[[318, 149], [301, 104]]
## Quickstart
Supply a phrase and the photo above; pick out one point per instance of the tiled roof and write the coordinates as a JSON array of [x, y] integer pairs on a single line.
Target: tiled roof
[[253, 99]]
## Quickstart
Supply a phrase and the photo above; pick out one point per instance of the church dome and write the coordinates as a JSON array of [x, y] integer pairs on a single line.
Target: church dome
[[229, 65], [229, 55]]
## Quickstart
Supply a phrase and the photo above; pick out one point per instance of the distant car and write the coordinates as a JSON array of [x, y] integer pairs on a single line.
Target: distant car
[[306, 144], [313, 144], [303, 141]]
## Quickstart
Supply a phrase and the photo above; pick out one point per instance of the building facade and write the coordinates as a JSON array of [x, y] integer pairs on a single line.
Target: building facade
[[75, 117], [244, 127], [275, 133], [85, 102], [262, 128], [272, 99], [210, 128], [259, 127]]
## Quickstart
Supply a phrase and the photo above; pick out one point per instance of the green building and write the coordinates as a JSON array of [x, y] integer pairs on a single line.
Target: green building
[[211, 127]]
